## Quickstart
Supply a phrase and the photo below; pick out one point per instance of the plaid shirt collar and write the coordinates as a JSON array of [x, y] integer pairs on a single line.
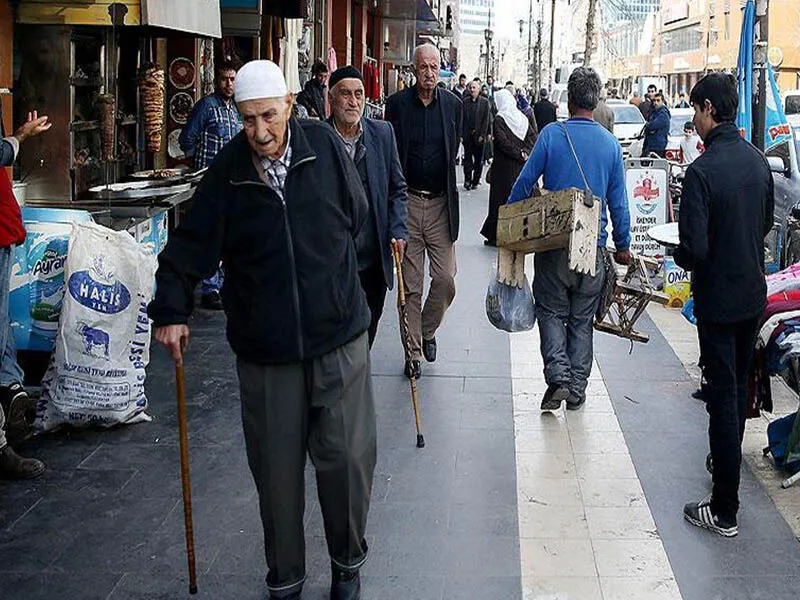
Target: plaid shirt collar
[[277, 169]]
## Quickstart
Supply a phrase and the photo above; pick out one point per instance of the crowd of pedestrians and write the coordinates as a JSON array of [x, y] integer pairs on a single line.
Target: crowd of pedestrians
[[303, 214]]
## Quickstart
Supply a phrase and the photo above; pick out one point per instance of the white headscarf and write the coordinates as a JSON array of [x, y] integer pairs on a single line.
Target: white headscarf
[[507, 108]]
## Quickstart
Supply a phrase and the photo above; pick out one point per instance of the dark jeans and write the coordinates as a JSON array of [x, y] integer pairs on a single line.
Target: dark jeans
[[727, 351], [374, 286], [473, 163], [565, 306]]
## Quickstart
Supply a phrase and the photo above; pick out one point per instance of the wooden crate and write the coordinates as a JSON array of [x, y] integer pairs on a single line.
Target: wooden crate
[[554, 220]]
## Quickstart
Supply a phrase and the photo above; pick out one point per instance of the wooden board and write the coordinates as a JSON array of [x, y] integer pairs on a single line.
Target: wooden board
[[554, 220]]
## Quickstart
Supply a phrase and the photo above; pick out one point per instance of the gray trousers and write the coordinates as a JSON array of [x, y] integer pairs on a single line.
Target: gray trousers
[[323, 407], [565, 306]]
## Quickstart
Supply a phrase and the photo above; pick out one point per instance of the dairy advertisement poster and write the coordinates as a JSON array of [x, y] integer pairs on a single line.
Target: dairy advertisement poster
[[647, 191]]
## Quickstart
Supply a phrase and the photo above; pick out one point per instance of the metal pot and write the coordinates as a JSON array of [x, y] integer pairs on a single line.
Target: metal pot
[[20, 190]]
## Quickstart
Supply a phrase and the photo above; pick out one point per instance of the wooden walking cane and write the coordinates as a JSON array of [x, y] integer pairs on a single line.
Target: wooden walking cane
[[406, 335], [187, 488]]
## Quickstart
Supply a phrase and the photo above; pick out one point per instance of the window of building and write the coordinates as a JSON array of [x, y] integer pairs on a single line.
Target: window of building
[[684, 39]]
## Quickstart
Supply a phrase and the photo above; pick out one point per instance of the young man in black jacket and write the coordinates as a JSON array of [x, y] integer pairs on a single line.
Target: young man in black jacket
[[282, 205], [726, 212]]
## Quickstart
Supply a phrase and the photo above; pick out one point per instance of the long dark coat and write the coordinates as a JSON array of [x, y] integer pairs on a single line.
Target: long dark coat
[[506, 166]]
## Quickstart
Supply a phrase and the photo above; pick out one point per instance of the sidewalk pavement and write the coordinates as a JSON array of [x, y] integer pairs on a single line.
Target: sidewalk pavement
[[503, 503]]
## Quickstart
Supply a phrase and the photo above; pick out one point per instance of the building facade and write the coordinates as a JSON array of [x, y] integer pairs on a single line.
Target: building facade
[[474, 16], [697, 36]]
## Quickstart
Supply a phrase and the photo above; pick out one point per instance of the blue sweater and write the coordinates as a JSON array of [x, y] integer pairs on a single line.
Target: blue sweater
[[601, 159]]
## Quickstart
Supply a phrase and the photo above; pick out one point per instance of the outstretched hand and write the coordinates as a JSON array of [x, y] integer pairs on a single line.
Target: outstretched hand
[[33, 126]]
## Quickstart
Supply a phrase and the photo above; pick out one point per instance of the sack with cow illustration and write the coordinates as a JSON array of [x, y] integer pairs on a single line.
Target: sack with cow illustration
[[97, 370]]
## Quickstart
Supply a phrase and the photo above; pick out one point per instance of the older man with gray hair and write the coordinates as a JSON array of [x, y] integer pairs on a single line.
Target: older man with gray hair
[[566, 301], [282, 205], [427, 124]]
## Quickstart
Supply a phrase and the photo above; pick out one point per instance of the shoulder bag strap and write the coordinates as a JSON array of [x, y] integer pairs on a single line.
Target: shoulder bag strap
[[588, 196]]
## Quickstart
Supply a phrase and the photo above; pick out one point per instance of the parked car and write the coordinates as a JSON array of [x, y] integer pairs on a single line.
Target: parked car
[[628, 123], [791, 106], [784, 162], [676, 123]]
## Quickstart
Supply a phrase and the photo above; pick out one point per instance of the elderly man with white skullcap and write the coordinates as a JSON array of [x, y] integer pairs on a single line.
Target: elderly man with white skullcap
[[281, 206]]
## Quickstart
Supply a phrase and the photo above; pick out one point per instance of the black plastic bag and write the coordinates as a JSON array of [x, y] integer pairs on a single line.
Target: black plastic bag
[[510, 308]]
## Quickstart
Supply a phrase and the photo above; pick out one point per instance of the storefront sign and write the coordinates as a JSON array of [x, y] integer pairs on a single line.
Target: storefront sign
[[671, 13], [648, 193]]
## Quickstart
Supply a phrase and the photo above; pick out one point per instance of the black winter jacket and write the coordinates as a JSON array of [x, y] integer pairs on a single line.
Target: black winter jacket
[[291, 288], [726, 212]]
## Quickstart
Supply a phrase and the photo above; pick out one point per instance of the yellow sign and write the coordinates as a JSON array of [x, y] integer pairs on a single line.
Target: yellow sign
[[77, 12]]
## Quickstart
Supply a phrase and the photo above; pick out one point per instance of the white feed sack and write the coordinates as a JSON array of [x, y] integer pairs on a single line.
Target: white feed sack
[[97, 372]]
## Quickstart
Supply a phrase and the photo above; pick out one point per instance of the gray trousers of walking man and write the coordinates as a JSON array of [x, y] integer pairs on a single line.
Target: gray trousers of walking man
[[324, 408], [566, 303]]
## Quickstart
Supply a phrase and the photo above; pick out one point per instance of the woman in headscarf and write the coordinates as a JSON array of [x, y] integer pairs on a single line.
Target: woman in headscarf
[[514, 137], [523, 104]]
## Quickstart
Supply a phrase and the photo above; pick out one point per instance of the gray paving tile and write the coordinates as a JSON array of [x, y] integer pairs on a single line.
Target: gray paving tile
[[94, 586], [496, 588], [666, 433]]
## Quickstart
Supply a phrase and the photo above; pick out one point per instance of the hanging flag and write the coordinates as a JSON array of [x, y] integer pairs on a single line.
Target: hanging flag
[[744, 73], [776, 125]]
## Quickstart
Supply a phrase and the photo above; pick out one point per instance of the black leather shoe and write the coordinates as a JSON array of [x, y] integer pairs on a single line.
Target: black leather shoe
[[13, 466], [211, 301], [345, 586], [429, 349], [413, 369]]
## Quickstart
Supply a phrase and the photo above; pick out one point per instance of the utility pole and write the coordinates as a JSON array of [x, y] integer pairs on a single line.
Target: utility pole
[[552, 37], [760, 64], [537, 59], [530, 25], [587, 53]]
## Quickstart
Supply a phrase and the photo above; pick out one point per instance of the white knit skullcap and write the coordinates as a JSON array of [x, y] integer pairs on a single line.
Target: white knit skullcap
[[260, 79]]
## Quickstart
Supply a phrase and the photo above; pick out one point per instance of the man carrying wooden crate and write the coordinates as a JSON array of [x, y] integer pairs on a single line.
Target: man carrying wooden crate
[[566, 301]]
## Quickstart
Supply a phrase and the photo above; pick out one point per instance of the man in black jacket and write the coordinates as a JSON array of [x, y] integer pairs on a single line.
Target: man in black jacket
[[312, 98], [544, 111], [427, 124], [282, 205], [726, 212], [476, 127]]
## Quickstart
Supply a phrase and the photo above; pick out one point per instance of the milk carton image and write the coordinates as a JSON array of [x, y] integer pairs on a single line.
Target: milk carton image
[[37, 276], [46, 288]]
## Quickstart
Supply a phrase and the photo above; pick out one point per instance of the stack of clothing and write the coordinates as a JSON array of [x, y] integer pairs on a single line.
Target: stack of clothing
[[778, 342]]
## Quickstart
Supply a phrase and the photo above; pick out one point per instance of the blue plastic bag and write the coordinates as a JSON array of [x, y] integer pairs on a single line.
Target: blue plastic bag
[[688, 311]]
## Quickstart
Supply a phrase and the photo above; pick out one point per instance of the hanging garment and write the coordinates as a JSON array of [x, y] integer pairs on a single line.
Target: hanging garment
[[332, 64], [291, 67]]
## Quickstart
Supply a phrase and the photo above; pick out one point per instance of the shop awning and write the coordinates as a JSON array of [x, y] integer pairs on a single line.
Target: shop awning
[[200, 17], [412, 10], [241, 17]]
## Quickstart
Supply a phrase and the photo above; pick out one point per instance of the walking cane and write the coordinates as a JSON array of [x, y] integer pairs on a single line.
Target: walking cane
[[187, 489], [406, 335]]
